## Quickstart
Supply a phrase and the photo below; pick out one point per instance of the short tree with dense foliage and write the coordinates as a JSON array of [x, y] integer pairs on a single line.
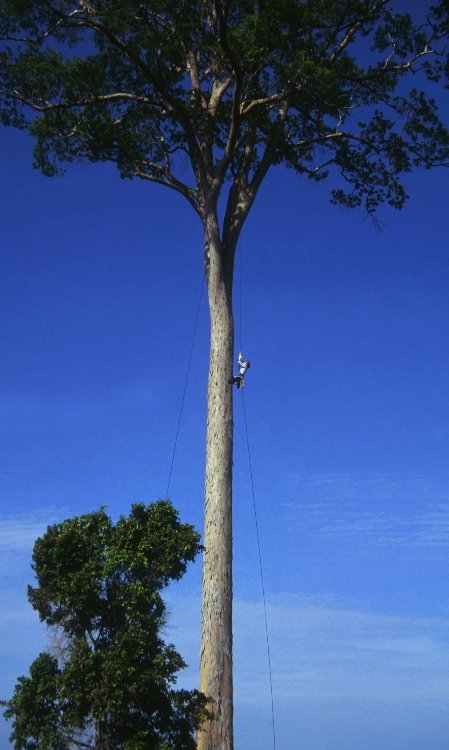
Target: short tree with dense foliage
[[109, 680], [205, 97]]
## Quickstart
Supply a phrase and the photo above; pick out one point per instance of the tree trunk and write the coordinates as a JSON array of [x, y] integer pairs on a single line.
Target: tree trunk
[[216, 635]]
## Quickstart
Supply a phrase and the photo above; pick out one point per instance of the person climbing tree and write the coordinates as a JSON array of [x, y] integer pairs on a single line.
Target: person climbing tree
[[207, 103], [239, 379]]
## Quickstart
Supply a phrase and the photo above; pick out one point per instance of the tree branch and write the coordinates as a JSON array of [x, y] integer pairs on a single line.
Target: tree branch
[[155, 173]]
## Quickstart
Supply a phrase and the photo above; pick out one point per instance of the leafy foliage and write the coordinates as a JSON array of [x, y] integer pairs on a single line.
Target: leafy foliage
[[112, 682], [236, 86], [205, 97]]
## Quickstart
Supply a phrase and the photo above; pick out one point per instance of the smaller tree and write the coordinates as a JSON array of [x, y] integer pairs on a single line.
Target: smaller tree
[[109, 684]]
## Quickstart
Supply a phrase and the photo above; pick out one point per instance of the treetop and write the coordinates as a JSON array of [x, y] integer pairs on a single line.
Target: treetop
[[197, 95], [109, 678]]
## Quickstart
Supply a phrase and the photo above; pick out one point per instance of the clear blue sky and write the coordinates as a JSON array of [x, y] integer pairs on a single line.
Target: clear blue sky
[[347, 404]]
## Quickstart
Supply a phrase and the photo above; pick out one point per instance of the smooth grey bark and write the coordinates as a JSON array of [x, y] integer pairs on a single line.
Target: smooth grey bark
[[216, 666], [216, 636]]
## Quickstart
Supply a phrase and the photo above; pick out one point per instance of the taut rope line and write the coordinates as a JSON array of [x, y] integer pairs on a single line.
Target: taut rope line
[[261, 574], [185, 388]]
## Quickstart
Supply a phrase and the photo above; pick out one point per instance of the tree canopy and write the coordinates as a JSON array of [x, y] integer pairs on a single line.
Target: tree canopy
[[205, 97], [109, 679], [193, 94]]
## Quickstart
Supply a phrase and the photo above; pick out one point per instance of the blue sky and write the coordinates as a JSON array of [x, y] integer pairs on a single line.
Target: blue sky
[[347, 402]]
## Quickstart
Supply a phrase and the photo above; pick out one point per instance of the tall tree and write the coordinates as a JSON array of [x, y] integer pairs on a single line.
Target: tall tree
[[109, 683], [233, 87]]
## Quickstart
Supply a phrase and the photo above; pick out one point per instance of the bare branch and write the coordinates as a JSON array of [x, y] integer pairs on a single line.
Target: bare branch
[[153, 172], [79, 103], [352, 30]]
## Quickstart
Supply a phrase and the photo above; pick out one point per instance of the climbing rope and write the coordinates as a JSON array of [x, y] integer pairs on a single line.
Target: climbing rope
[[240, 326], [181, 409], [261, 573], [256, 523]]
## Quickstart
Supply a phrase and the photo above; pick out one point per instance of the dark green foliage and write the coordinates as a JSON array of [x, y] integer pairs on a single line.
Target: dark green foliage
[[236, 86], [35, 708], [112, 678]]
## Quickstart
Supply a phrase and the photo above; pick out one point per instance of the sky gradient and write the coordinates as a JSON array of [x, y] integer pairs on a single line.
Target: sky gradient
[[347, 401]]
